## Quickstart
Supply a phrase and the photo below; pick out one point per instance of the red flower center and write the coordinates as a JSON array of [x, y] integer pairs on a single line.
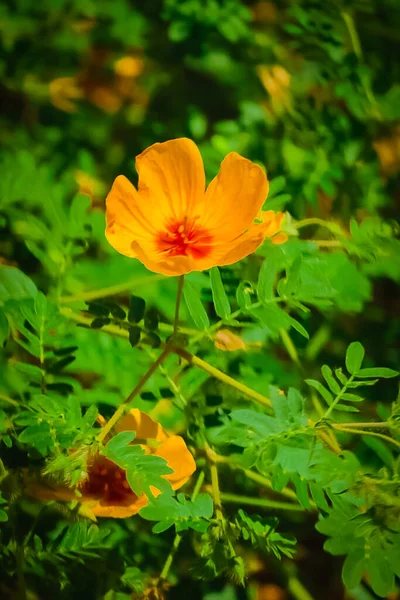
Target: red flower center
[[185, 238], [107, 481]]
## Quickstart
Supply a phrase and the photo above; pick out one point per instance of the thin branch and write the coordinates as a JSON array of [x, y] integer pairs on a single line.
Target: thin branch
[[178, 303], [372, 425], [137, 389], [372, 433], [261, 502], [205, 366]]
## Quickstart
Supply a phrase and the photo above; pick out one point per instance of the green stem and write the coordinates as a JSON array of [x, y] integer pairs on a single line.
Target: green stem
[[178, 537], [9, 400], [260, 479], [121, 409], [261, 502], [178, 303], [297, 589], [383, 425], [216, 494], [290, 347], [191, 358], [20, 559], [112, 290], [357, 49], [115, 330], [204, 366], [326, 243], [372, 433], [338, 397]]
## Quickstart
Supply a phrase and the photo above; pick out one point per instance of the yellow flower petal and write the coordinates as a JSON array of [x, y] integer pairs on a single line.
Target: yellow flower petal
[[171, 175], [173, 227], [126, 222], [234, 197], [142, 424], [178, 458]]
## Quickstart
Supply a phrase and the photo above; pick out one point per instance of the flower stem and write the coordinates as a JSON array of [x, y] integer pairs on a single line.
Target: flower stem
[[205, 366], [178, 303], [142, 381]]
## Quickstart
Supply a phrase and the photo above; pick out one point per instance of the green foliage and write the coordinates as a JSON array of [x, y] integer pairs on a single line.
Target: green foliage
[[295, 420], [181, 512], [338, 383]]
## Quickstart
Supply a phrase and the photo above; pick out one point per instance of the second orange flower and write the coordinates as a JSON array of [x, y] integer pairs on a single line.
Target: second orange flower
[[173, 225]]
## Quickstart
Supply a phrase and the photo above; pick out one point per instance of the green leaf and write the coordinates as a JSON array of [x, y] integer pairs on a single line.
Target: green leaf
[[4, 327], [327, 396], [137, 307], [221, 302], [181, 512], [330, 380], [134, 335], [276, 185], [354, 357], [195, 306], [243, 295], [266, 279], [353, 568], [15, 285], [377, 372], [381, 575], [151, 319], [298, 327]]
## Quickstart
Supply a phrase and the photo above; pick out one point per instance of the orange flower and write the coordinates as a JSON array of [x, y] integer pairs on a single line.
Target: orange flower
[[173, 226], [106, 492]]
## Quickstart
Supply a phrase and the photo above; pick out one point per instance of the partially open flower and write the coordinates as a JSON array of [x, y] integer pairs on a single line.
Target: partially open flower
[[228, 341], [105, 492], [174, 226]]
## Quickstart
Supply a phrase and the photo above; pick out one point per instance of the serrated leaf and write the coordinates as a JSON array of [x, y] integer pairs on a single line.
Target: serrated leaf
[[354, 356], [221, 302], [195, 306]]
